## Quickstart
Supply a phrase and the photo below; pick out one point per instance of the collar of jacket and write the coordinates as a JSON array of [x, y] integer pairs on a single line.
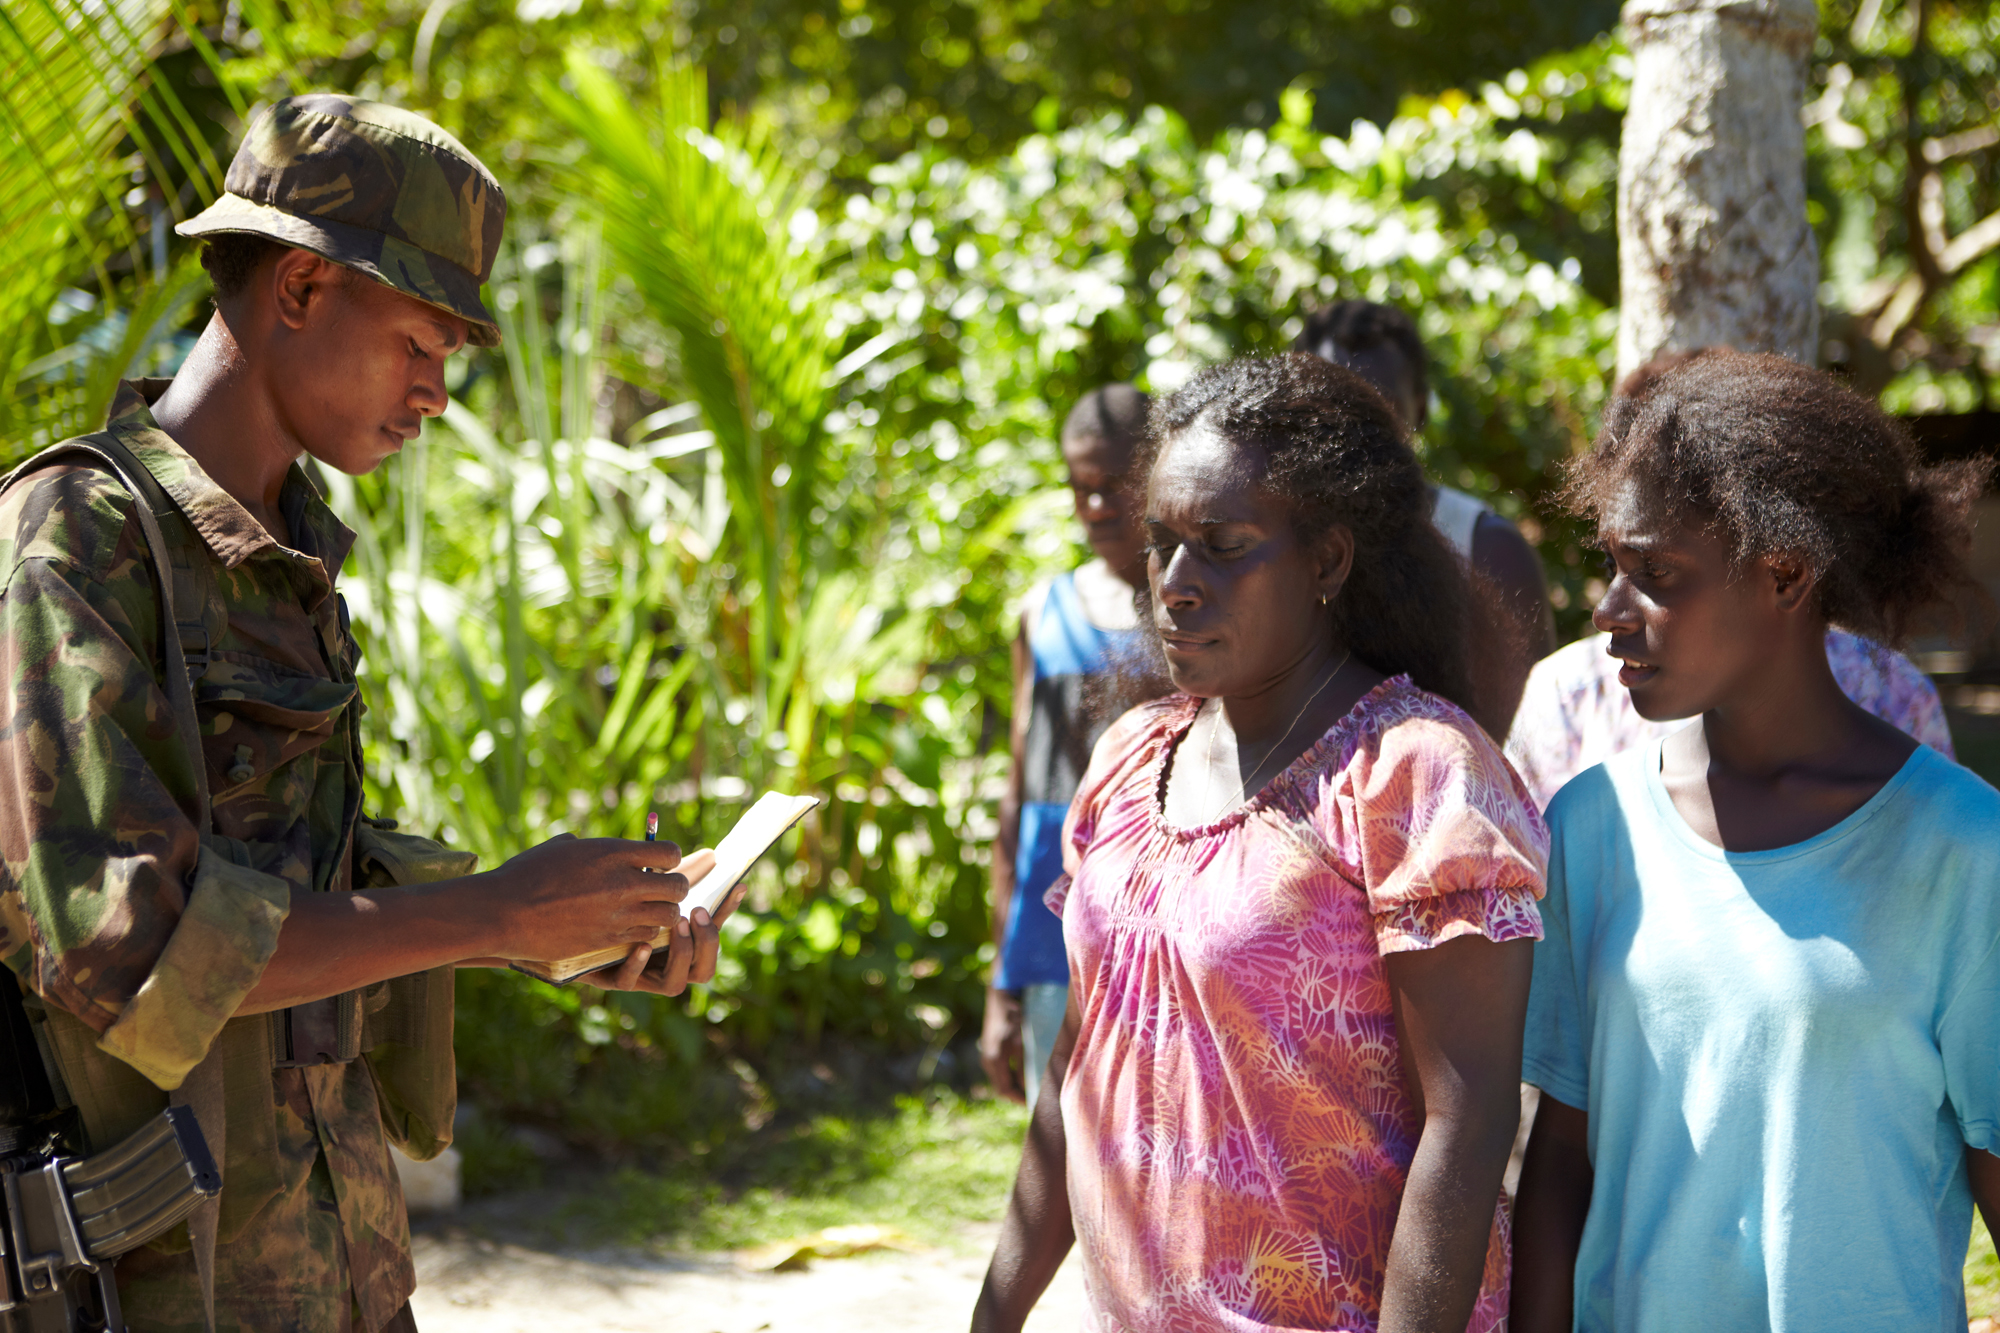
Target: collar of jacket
[[221, 521]]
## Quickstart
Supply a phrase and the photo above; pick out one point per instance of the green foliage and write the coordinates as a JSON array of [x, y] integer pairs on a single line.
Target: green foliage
[[1904, 153], [82, 127], [563, 632], [1982, 1274], [884, 76], [1129, 249], [715, 234]]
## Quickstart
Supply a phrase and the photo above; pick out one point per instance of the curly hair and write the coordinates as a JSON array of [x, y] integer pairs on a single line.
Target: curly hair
[[1361, 325], [1334, 448], [1782, 460]]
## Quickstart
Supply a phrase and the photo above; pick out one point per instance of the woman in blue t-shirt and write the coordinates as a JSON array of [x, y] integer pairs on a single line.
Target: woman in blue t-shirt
[[1766, 1016]]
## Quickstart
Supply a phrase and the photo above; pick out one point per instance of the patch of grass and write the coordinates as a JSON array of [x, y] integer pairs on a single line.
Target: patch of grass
[[935, 1163]]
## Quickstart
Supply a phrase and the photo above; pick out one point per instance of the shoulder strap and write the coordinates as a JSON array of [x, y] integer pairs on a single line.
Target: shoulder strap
[[106, 451], [202, 1091]]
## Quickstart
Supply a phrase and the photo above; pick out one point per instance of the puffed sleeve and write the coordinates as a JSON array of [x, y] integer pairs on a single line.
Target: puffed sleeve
[[98, 848], [1448, 841]]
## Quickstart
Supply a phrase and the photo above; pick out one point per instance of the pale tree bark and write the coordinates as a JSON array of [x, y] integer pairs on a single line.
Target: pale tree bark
[[1713, 246]]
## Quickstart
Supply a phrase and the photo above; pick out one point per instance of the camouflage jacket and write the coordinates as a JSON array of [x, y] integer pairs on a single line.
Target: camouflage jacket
[[97, 841]]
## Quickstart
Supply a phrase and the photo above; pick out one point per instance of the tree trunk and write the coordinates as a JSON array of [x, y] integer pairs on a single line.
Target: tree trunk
[[1713, 246]]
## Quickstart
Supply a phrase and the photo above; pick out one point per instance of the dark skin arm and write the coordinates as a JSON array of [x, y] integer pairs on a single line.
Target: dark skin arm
[[1984, 1169], [1038, 1232], [1460, 1008], [1509, 563], [566, 897], [1000, 1034], [1549, 1212]]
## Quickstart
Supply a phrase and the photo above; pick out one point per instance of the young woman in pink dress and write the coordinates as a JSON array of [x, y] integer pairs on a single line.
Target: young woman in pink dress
[[1299, 908]]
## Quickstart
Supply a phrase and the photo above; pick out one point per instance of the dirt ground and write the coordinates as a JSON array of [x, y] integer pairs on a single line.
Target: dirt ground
[[470, 1285]]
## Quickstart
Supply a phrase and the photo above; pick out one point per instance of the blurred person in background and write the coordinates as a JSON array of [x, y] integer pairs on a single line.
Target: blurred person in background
[[1299, 903], [1075, 630], [1380, 344], [1574, 714]]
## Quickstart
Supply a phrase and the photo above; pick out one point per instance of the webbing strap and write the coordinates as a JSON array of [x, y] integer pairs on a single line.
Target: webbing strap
[[202, 1091], [108, 452]]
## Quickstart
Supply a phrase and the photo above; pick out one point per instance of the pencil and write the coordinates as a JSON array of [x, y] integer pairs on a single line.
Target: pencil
[[652, 826]]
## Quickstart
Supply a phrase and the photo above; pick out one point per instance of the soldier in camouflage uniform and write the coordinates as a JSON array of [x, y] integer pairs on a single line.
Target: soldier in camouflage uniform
[[349, 254]]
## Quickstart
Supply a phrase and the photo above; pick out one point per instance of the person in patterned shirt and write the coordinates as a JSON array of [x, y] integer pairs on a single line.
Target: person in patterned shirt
[[1299, 903], [231, 964]]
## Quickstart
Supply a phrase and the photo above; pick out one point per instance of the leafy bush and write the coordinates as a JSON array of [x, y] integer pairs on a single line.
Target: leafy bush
[[564, 629]]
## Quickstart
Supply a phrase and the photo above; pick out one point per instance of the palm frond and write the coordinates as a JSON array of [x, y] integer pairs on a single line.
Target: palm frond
[[73, 90], [712, 229]]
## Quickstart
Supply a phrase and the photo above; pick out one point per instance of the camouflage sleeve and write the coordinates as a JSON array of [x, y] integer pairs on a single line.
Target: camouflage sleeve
[[97, 836]]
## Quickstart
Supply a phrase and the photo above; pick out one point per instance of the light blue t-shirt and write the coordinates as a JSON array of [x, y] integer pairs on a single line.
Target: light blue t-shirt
[[1784, 1054]]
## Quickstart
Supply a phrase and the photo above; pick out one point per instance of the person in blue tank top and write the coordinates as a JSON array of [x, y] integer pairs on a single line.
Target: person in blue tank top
[[1076, 630], [1765, 1016]]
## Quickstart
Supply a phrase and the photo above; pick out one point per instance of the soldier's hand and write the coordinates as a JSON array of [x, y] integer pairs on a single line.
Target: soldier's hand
[[689, 957], [573, 896]]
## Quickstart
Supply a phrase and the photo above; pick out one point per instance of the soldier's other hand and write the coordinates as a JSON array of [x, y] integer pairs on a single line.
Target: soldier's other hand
[[573, 896], [697, 863], [689, 957]]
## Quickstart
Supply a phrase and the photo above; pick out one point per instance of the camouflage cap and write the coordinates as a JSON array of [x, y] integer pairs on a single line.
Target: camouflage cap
[[374, 188]]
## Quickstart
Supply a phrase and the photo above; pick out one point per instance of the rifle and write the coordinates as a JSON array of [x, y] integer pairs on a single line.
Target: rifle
[[63, 1220]]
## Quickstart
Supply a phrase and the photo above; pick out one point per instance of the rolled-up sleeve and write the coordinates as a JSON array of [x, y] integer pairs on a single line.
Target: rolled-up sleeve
[[97, 803]]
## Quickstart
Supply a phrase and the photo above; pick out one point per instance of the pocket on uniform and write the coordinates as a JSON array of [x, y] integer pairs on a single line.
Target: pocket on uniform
[[257, 716]]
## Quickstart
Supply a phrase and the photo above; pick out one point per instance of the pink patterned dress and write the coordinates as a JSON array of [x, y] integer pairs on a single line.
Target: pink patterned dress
[[1238, 1127]]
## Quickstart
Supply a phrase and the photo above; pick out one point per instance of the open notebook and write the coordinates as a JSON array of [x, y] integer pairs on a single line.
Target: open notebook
[[761, 826]]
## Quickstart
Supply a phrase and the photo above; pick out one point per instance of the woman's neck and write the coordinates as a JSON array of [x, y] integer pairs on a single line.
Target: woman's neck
[[1259, 717], [1233, 750], [1782, 759], [1788, 712]]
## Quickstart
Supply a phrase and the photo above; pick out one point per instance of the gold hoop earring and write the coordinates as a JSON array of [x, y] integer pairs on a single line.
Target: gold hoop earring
[[1322, 599]]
